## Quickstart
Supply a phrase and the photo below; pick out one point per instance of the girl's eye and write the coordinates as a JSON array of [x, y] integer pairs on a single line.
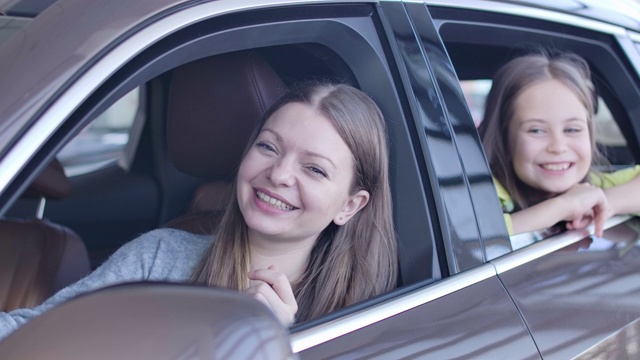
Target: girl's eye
[[573, 130], [317, 171], [535, 131]]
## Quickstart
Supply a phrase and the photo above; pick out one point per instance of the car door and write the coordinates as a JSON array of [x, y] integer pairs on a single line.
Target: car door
[[450, 302], [465, 312], [577, 293]]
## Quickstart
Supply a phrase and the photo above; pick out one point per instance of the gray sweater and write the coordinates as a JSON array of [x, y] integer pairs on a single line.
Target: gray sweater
[[160, 255]]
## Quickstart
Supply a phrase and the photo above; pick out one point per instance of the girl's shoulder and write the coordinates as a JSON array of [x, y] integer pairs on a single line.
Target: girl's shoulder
[[503, 195], [608, 179]]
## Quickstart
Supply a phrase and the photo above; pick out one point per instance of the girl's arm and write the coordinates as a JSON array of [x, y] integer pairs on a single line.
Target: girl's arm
[[625, 198], [579, 206]]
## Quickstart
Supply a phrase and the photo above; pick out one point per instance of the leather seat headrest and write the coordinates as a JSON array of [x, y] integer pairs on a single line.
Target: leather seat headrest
[[52, 183], [214, 105]]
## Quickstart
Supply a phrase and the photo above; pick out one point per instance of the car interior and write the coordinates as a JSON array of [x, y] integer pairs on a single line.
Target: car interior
[[198, 118], [39, 257]]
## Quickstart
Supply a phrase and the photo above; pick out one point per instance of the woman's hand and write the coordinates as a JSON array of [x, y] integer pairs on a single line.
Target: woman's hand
[[272, 288], [583, 204]]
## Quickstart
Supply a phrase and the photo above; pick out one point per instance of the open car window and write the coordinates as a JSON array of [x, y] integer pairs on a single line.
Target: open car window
[[479, 47]]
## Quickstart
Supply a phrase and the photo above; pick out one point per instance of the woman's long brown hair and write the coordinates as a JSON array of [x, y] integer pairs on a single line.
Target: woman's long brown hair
[[348, 263]]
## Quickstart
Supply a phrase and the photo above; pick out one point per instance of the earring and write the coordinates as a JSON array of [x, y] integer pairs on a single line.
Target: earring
[[341, 218]]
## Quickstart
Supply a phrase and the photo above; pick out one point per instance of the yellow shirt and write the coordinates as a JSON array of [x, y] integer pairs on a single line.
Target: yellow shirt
[[601, 180]]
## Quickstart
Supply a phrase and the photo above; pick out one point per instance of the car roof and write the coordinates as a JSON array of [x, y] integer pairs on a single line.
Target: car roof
[[24, 8], [623, 13]]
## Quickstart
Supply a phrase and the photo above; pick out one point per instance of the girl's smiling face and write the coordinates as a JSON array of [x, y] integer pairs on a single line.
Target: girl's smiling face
[[549, 137], [296, 178]]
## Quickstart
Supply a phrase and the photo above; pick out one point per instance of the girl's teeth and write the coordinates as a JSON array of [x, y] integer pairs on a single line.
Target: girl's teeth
[[556, 167], [274, 202]]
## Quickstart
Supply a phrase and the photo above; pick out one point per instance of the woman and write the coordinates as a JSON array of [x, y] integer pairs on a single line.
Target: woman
[[309, 230]]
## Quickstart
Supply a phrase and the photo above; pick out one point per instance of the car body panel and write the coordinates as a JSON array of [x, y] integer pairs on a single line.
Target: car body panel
[[427, 322], [575, 297]]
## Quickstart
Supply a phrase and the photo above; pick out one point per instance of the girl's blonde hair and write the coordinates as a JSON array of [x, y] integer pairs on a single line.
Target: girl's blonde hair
[[508, 83], [348, 263]]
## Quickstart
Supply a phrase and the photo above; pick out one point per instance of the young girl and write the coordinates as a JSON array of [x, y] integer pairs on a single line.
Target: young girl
[[538, 136], [309, 230]]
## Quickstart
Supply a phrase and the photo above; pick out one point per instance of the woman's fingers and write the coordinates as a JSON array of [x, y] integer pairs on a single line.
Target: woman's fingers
[[273, 289]]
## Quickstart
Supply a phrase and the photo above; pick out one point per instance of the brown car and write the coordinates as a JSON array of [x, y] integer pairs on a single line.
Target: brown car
[[89, 130]]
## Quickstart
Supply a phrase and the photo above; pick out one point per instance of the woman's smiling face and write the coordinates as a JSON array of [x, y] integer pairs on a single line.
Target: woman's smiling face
[[549, 137], [296, 178]]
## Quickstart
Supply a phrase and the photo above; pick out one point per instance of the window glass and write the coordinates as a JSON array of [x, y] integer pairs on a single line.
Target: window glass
[[104, 141]]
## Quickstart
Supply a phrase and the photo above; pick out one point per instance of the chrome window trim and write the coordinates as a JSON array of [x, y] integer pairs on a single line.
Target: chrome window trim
[[527, 11], [631, 47], [547, 246], [330, 330], [333, 329]]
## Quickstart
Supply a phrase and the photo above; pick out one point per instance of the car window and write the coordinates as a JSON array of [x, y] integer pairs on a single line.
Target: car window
[[162, 188], [105, 141], [608, 134], [478, 47]]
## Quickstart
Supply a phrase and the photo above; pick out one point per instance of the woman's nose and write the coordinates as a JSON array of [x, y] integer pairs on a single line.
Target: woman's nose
[[282, 173]]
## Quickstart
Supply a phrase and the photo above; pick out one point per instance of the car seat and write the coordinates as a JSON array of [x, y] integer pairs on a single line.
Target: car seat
[[214, 105], [38, 257]]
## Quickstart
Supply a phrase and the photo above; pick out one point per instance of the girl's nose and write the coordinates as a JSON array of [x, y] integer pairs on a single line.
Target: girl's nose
[[557, 144], [282, 173]]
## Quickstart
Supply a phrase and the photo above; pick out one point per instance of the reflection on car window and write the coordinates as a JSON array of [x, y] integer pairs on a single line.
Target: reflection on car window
[[105, 140], [607, 131]]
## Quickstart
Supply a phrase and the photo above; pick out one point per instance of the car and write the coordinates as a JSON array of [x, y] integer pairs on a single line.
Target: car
[[466, 289]]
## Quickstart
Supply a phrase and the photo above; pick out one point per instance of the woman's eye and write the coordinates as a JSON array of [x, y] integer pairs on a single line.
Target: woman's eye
[[317, 171], [265, 146], [535, 131], [573, 130]]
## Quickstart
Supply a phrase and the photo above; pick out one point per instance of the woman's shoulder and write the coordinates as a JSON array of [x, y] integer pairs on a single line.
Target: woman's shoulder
[[168, 240], [164, 254]]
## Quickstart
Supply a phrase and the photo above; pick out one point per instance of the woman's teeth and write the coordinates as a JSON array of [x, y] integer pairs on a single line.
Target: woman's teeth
[[273, 202]]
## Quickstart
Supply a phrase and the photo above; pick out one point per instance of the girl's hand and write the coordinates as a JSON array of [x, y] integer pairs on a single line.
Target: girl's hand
[[272, 288], [585, 203]]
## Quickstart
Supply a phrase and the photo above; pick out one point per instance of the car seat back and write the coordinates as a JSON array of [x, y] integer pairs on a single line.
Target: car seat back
[[38, 257], [214, 105]]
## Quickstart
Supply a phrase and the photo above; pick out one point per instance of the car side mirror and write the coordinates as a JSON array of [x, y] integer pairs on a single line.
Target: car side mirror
[[152, 321]]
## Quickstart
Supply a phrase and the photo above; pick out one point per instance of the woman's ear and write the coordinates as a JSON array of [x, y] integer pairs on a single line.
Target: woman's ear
[[354, 204]]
